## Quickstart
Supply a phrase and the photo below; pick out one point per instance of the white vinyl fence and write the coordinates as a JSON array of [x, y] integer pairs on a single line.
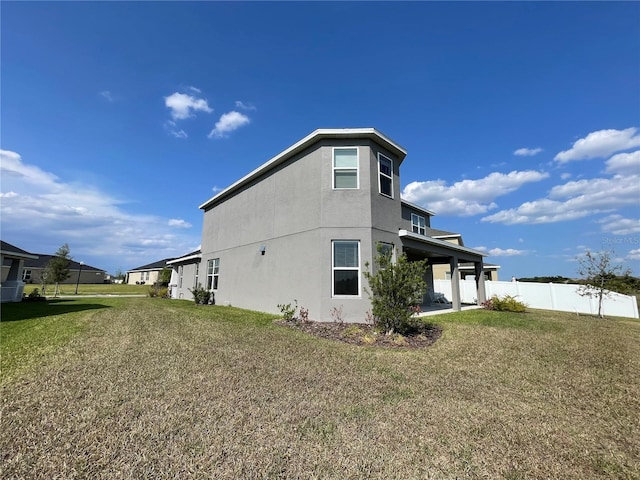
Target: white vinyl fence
[[546, 296]]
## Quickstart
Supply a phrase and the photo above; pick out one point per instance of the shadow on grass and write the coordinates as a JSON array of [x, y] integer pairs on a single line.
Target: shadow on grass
[[12, 312]]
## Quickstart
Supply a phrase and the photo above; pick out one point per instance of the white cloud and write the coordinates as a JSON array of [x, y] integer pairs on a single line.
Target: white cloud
[[182, 105], [244, 106], [468, 197], [228, 122], [600, 144], [634, 254], [91, 221], [502, 252], [179, 223], [618, 225], [106, 94], [624, 163], [565, 176], [574, 200], [527, 152]]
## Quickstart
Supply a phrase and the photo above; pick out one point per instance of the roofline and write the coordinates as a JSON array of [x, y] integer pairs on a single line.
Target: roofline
[[301, 145], [417, 207], [453, 235], [184, 259], [440, 243], [9, 254], [486, 266]]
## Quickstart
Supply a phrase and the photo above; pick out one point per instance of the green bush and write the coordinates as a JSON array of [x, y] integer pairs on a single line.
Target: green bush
[[288, 312], [202, 296], [395, 289], [507, 303]]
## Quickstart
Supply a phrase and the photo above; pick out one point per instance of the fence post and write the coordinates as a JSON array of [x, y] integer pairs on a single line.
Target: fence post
[[553, 296]]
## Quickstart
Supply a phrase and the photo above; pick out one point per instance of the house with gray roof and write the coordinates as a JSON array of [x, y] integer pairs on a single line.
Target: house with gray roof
[[303, 225], [147, 274]]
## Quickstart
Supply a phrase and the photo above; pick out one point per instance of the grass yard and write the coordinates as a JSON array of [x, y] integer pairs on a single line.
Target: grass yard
[[91, 289], [148, 388]]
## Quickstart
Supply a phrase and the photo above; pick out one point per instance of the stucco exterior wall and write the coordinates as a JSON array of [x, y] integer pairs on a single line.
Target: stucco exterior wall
[[294, 212]]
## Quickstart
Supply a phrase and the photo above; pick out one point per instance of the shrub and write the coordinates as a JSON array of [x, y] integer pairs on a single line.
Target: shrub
[[157, 291], [34, 296], [202, 296], [507, 303], [395, 290], [288, 312]]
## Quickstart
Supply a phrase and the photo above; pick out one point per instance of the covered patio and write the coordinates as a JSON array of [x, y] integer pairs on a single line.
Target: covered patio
[[12, 283], [438, 252]]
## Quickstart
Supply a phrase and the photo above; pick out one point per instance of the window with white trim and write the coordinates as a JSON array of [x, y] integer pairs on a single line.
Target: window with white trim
[[345, 168], [195, 277], [385, 175], [346, 268], [386, 249], [213, 269], [180, 272], [26, 275], [418, 224]]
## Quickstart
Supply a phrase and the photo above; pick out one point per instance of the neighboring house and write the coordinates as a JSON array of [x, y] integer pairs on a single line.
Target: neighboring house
[[34, 268], [304, 225], [147, 274], [12, 286], [466, 270]]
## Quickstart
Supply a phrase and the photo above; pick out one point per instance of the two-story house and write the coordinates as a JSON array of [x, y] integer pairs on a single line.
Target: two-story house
[[303, 225]]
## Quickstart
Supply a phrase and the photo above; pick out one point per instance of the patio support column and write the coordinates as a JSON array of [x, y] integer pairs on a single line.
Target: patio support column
[[480, 287], [455, 284]]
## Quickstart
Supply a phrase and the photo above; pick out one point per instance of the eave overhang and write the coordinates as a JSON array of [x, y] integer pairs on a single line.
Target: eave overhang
[[440, 247]]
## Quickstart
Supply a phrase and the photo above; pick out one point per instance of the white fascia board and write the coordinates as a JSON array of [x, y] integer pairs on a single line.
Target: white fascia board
[[485, 266], [417, 207], [300, 145], [453, 235], [184, 259], [9, 254], [440, 243]]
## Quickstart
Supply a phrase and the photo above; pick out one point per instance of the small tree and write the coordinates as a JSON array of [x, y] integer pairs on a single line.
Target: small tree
[[164, 277], [395, 289], [600, 275], [57, 270]]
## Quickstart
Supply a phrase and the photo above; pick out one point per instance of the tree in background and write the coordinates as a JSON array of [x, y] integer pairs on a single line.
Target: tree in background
[[395, 289], [57, 270], [164, 277], [600, 275]]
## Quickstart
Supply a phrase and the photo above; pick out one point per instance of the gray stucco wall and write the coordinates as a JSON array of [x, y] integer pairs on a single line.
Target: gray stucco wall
[[294, 212], [406, 217]]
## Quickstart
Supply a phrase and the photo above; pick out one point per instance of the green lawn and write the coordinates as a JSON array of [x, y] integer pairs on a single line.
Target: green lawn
[[150, 388], [92, 289]]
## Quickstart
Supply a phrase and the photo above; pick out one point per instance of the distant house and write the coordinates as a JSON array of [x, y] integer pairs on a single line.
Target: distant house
[[147, 274], [304, 225], [12, 286], [466, 270], [33, 268], [79, 271]]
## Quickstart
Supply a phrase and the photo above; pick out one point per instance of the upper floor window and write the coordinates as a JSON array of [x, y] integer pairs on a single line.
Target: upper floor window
[[213, 270], [385, 175], [345, 167], [418, 224], [346, 267]]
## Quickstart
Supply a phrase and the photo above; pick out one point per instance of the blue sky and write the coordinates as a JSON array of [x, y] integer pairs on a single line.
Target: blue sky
[[521, 120]]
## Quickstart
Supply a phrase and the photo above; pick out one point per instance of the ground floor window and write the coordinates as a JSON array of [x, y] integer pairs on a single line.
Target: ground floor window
[[26, 275], [195, 277], [180, 271], [213, 271], [346, 267]]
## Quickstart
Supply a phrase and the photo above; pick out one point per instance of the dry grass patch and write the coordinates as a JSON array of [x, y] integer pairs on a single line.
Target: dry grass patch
[[160, 389]]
